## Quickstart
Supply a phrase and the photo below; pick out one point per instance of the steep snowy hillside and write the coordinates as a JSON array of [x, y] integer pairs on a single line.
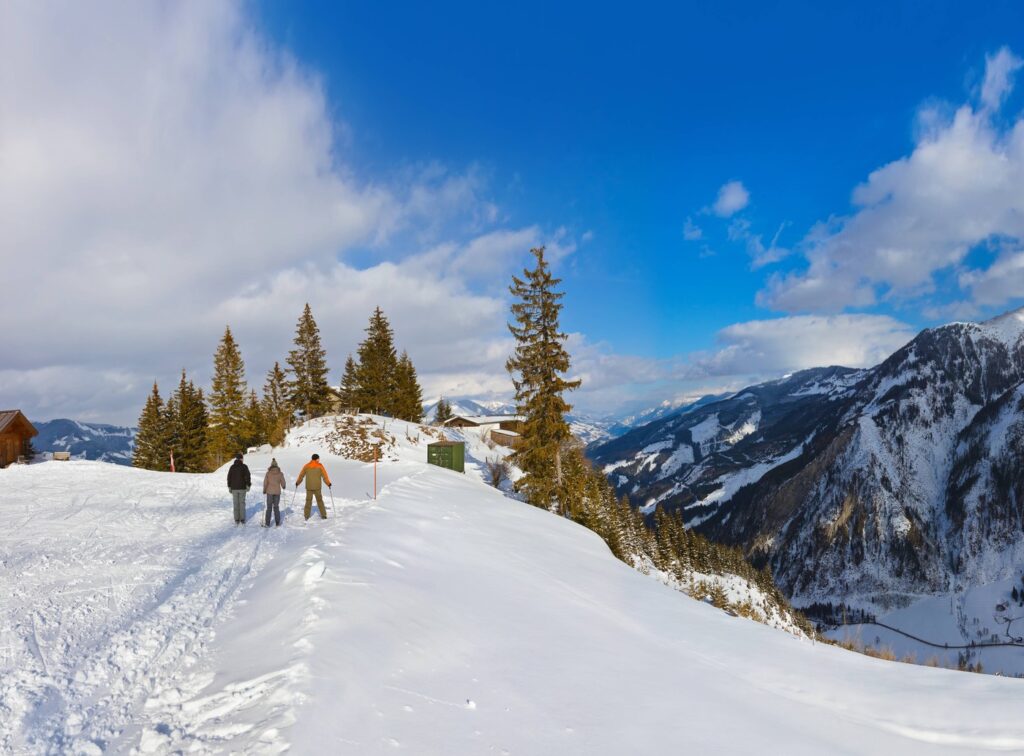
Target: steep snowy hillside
[[876, 485], [442, 618], [622, 424], [106, 443], [709, 449]]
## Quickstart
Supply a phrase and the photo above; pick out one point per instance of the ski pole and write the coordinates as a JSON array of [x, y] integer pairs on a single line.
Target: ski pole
[[333, 511]]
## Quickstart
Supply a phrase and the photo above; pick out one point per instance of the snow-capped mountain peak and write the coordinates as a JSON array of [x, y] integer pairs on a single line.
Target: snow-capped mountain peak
[[856, 485]]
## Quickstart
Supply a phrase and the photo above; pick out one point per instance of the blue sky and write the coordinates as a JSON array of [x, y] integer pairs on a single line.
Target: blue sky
[[729, 193], [625, 123]]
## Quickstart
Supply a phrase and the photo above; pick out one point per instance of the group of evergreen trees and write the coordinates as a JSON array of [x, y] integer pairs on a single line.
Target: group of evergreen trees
[[662, 542], [381, 381], [204, 432], [179, 426]]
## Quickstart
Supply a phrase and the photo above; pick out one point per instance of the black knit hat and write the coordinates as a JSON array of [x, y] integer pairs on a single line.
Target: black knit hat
[[316, 456], [238, 456]]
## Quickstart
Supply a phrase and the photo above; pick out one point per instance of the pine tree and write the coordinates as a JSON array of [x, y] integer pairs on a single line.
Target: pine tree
[[349, 385], [151, 437], [408, 402], [276, 407], [308, 366], [376, 372], [187, 423], [537, 366], [255, 427], [443, 412], [227, 401]]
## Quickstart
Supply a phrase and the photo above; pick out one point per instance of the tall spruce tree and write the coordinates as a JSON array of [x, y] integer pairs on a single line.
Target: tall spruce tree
[[227, 401], [442, 412], [276, 406], [349, 389], [376, 372], [255, 428], [537, 367], [307, 363], [151, 439], [408, 394], [187, 420]]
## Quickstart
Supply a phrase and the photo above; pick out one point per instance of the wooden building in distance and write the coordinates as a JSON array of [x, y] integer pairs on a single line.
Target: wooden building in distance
[[15, 434], [501, 429]]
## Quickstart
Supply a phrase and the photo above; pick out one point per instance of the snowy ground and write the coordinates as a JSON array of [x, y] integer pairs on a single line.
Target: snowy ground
[[443, 618], [970, 616]]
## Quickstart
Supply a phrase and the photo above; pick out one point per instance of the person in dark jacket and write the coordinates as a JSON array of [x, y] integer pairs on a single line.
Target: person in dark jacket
[[239, 483]]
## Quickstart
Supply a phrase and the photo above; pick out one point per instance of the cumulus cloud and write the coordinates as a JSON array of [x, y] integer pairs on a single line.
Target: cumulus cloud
[[167, 170], [732, 197], [782, 345], [961, 187], [999, 71], [691, 231], [745, 353]]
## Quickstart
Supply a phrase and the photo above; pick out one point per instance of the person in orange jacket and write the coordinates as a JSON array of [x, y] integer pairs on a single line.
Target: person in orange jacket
[[315, 476]]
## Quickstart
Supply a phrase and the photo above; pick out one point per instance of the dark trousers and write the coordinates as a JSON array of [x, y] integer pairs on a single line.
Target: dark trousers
[[273, 502]]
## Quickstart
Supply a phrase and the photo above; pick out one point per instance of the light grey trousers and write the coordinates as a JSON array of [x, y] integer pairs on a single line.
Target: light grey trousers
[[238, 498]]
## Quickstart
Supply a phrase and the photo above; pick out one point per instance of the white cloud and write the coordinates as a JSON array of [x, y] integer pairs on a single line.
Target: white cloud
[[732, 197], [760, 254], [962, 186], [1000, 282], [782, 345], [999, 71], [747, 353], [691, 231], [167, 170]]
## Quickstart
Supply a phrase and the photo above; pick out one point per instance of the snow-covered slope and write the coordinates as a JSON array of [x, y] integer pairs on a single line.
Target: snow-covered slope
[[465, 405], [442, 618], [106, 443], [857, 486]]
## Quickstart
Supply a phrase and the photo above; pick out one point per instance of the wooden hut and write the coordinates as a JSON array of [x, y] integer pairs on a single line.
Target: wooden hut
[[504, 430], [512, 423], [15, 434]]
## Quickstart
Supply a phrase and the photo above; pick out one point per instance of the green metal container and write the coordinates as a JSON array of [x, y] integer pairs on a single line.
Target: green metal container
[[448, 454]]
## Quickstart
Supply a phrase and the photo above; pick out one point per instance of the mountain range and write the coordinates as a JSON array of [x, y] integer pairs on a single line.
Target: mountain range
[[872, 485], [590, 429], [95, 441]]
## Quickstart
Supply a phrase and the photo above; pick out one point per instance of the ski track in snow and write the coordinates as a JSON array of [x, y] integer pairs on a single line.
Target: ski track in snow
[[113, 600]]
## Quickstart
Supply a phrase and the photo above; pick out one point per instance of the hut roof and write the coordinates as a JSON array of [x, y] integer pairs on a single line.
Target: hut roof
[[9, 418], [487, 419]]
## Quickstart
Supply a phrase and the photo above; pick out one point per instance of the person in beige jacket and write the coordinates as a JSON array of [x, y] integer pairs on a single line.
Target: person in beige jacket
[[273, 484]]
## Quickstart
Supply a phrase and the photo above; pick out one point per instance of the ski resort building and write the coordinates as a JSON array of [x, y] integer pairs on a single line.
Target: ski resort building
[[501, 429], [16, 432]]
